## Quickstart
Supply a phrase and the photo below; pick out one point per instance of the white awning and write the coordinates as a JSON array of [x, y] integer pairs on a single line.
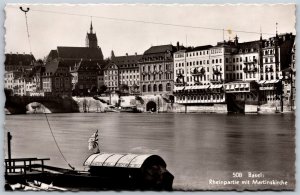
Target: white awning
[[215, 86], [179, 88], [201, 87], [272, 81], [188, 87]]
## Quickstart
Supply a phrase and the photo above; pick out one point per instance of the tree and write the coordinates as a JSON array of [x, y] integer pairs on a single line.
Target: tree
[[8, 92], [102, 89], [124, 88], [140, 99], [93, 91]]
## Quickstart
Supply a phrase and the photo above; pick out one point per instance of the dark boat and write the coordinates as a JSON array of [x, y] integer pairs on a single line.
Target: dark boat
[[107, 171]]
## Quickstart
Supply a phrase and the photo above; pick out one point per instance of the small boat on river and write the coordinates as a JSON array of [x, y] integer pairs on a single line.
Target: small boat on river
[[103, 171]]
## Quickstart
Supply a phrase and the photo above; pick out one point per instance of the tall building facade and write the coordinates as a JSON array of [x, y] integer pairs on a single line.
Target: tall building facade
[[200, 74], [247, 72], [123, 71], [157, 70], [57, 80], [276, 58], [85, 77]]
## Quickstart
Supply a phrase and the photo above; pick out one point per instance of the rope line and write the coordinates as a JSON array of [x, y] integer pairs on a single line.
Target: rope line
[[57, 144], [28, 32], [147, 22], [27, 28]]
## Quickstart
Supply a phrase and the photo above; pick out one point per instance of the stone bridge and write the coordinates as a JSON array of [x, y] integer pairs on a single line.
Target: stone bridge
[[18, 104]]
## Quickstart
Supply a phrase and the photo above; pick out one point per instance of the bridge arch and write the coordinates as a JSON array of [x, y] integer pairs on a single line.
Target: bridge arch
[[151, 106], [36, 107]]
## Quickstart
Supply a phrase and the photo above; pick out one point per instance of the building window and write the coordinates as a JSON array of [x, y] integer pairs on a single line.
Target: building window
[[168, 87], [154, 87], [149, 88], [160, 87]]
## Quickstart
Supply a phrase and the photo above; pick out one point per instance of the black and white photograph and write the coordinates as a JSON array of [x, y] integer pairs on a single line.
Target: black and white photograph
[[149, 97]]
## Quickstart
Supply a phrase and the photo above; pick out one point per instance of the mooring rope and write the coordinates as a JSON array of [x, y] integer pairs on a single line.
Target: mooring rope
[[57, 143]]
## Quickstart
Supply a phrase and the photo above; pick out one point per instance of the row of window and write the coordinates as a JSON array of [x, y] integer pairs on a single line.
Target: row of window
[[233, 76], [156, 77], [269, 52], [197, 78], [240, 59], [267, 60], [130, 77], [199, 53], [110, 84], [200, 62], [128, 71], [269, 77], [155, 88], [201, 97], [128, 65], [205, 52], [156, 67], [130, 83], [234, 67]]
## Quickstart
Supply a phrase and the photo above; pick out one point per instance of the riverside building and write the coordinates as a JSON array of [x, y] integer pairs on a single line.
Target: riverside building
[[123, 72], [277, 56], [231, 72], [157, 70]]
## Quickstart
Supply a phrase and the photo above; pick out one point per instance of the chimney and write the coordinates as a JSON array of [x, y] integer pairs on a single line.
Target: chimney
[[126, 54], [177, 45], [136, 53]]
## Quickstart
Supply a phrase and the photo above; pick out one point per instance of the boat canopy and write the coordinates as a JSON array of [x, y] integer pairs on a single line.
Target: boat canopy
[[122, 160]]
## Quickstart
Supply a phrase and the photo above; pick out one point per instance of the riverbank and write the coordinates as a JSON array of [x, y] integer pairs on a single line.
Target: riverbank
[[149, 103]]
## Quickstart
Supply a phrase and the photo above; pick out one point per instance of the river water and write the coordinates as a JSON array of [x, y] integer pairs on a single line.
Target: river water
[[197, 148]]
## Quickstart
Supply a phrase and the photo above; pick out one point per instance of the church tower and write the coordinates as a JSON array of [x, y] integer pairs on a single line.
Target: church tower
[[91, 38]]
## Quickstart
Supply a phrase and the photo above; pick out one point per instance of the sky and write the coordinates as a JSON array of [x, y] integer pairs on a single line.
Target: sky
[[66, 25]]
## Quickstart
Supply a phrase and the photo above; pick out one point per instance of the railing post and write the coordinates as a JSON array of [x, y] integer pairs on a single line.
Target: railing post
[[42, 165], [29, 165], [9, 137], [25, 167]]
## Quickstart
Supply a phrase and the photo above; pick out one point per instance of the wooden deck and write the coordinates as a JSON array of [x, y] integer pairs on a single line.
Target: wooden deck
[[23, 166]]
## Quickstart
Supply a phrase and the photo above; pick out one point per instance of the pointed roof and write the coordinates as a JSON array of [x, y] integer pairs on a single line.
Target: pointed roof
[[91, 28], [91, 36]]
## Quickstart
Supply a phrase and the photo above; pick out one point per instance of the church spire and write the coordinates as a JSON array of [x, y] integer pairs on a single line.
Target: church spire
[[91, 28]]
